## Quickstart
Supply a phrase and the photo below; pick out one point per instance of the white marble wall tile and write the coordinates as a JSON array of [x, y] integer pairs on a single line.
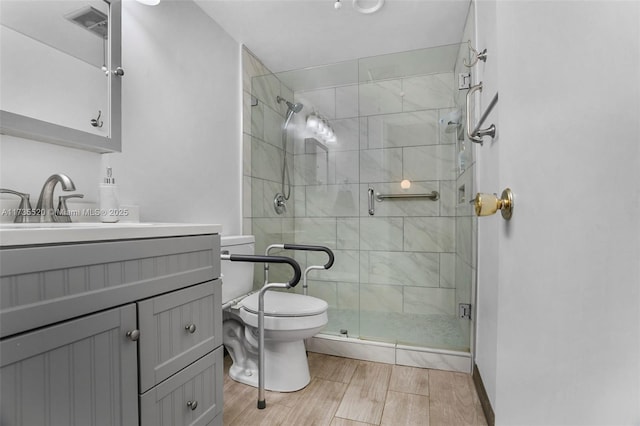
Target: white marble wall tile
[[345, 267], [257, 197], [404, 268], [288, 230], [381, 97], [381, 233], [381, 165], [364, 266], [449, 133], [247, 210], [424, 300], [403, 129], [246, 112], [347, 132], [316, 231], [447, 270], [299, 201], [267, 160], [348, 296], [448, 198], [312, 169], [257, 120], [431, 234], [401, 207], [325, 290], [428, 92], [267, 231], [246, 154], [463, 238], [332, 200], [353, 348], [347, 166], [272, 127], [348, 231], [435, 162], [322, 101], [463, 281], [266, 88], [380, 298], [251, 67], [347, 101], [437, 361]]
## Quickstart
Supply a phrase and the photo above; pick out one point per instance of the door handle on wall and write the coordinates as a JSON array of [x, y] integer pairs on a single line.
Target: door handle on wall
[[371, 201]]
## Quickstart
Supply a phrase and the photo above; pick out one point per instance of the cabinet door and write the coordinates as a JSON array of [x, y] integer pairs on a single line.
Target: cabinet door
[[191, 397], [176, 329], [80, 372]]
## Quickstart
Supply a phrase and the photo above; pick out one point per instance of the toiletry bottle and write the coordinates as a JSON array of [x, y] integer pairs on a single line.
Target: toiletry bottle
[[108, 199]]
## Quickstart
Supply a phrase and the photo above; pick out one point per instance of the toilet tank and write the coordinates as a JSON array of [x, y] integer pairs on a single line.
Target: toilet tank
[[237, 277]]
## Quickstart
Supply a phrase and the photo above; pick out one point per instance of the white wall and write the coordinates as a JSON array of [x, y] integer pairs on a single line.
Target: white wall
[[559, 326], [181, 158]]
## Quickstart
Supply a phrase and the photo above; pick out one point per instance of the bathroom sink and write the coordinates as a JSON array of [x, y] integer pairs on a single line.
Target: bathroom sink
[[18, 234]]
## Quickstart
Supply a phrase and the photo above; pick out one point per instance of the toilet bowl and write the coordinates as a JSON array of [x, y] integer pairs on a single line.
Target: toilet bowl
[[289, 318]]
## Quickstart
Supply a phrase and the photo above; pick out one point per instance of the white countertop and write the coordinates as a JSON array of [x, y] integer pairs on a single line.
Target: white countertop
[[20, 234]]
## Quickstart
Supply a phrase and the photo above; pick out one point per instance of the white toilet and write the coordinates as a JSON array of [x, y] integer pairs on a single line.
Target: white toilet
[[289, 318]]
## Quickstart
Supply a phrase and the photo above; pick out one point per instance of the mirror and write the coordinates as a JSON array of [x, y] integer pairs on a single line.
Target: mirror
[[57, 72]]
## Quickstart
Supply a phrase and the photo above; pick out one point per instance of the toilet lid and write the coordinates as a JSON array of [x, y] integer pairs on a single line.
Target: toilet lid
[[281, 304]]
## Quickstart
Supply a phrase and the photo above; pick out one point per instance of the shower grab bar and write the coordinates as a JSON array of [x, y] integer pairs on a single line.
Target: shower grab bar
[[292, 283], [303, 247], [372, 207], [477, 134], [434, 196]]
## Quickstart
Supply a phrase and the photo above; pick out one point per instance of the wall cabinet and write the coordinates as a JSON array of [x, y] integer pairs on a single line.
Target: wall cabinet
[[153, 357]]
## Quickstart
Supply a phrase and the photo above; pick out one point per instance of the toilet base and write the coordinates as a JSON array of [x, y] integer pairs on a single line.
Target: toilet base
[[286, 367]]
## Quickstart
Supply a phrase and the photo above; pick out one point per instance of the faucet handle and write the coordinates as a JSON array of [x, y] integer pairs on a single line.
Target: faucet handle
[[62, 212], [24, 212]]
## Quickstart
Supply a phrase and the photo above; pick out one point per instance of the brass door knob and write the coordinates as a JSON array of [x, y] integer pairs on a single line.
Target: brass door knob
[[488, 204]]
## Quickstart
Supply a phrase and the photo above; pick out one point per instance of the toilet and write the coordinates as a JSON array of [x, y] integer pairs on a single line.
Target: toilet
[[289, 318]]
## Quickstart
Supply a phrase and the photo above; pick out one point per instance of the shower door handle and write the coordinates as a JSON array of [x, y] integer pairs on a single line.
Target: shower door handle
[[371, 201]]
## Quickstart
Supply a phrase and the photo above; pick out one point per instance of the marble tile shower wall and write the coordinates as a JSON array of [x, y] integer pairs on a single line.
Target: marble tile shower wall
[[262, 119], [403, 259]]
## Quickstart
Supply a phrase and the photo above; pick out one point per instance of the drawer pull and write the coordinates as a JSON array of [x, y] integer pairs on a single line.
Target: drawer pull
[[191, 328], [133, 335], [192, 404]]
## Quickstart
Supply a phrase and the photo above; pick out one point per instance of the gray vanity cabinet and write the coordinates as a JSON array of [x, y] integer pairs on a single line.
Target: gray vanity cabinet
[[81, 372], [176, 329], [121, 332]]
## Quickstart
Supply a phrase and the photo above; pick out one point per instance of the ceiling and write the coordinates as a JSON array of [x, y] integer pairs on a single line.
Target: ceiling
[[294, 34]]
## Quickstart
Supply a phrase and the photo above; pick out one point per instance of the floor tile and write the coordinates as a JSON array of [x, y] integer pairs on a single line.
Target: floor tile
[[364, 399], [453, 399], [405, 409], [332, 368], [409, 380], [317, 403]]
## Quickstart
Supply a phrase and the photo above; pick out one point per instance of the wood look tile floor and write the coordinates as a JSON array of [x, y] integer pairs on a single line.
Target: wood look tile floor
[[348, 392]]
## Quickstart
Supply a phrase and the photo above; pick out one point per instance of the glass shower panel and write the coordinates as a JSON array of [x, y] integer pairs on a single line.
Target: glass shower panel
[[400, 273]]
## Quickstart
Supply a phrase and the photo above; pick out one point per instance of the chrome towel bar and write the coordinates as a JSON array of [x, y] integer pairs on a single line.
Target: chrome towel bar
[[434, 196]]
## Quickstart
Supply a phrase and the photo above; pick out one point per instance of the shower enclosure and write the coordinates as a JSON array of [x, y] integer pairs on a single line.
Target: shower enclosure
[[404, 270]]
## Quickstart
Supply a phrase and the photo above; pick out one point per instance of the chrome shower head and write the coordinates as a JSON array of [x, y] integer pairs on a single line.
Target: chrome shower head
[[295, 108]]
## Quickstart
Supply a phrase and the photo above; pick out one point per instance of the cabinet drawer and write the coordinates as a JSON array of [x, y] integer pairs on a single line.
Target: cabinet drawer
[[176, 329], [80, 372], [191, 397]]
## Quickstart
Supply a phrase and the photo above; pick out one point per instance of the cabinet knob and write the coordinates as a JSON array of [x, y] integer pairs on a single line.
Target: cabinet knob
[[133, 335], [192, 404], [191, 328]]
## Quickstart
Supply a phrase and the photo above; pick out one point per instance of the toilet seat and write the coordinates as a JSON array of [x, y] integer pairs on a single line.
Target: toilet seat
[[281, 304]]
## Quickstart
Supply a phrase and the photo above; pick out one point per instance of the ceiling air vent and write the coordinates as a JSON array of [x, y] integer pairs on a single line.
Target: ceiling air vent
[[91, 19]]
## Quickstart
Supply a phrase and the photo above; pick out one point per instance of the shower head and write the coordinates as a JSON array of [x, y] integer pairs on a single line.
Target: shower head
[[295, 108]]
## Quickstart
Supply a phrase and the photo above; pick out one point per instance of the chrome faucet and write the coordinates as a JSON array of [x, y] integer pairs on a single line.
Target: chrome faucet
[[44, 209]]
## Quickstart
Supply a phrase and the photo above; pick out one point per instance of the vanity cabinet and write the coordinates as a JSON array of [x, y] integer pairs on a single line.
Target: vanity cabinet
[[120, 332]]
